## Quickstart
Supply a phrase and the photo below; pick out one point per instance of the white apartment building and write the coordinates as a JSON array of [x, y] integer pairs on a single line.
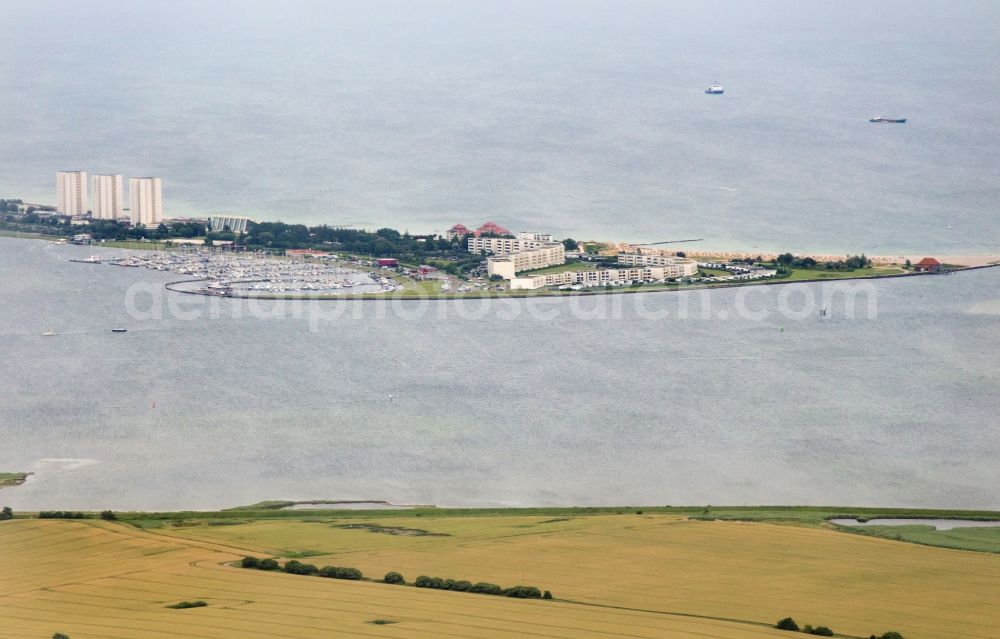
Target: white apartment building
[[71, 192], [507, 266], [109, 197], [237, 224], [145, 201], [503, 245], [679, 266], [602, 277]]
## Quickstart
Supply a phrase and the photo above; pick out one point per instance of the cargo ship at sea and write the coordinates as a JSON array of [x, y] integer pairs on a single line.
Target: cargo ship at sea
[[888, 120]]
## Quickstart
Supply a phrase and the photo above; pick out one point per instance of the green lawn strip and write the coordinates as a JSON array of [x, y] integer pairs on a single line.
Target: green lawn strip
[[12, 479]]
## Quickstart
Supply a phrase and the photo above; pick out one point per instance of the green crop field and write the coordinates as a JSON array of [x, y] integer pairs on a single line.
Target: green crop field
[[12, 479], [978, 539]]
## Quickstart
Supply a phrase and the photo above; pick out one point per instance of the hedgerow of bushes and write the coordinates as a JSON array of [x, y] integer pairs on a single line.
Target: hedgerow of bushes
[[789, 624], [295, 567], [520, 592]]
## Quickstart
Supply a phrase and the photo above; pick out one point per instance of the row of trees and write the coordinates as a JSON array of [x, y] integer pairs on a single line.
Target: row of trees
[[822, 631], [789, 624], [295, 567], [847, 264], [520, 592], [9, 205], [109, 230], [107, 515]]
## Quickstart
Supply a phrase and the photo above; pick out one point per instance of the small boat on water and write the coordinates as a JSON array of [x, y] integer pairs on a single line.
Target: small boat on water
[[49, 333], [882, 120], [715, 89], [119, 330], [93, 259]]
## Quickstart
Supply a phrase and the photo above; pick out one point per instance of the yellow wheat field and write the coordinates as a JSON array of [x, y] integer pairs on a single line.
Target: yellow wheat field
[[747, 571], [97, 580]]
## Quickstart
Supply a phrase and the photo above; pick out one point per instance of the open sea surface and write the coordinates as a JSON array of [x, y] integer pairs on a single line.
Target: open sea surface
[[583, 118]]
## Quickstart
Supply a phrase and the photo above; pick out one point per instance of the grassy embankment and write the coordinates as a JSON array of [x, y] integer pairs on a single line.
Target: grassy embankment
[[137, 246], [655, 574], [29, 236], [12, 479], [804, 274]]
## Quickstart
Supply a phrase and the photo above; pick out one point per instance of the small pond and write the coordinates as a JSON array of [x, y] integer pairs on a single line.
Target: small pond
[[938, 524]]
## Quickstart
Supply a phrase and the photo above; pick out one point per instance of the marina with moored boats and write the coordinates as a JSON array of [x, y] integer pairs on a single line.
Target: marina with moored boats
[[249, 275]]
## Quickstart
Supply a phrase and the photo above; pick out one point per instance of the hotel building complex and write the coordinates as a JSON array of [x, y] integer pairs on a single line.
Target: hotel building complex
[[504, 245], [510, 256], [508, 266], [71, 192], [646, 259], [146, 201], [109, 194]]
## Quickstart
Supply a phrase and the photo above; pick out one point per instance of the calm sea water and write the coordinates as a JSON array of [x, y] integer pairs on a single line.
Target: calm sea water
[[493, 404], [583, 118]]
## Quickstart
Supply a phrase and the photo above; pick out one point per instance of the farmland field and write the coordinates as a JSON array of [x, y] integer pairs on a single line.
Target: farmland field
[[737, 570], [635, 575], [90, 580]]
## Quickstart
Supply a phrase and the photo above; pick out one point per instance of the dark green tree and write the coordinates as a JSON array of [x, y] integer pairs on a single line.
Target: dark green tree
[[268, 564], [787, 624], [393, 578]]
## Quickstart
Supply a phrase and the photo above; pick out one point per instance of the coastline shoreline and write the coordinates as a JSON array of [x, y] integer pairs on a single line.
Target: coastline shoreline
[[441, 297], [964, 263]]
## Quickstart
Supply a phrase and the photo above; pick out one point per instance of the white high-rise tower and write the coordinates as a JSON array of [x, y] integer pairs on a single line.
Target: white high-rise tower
[[71, 192], [109, 193], [145, 201]]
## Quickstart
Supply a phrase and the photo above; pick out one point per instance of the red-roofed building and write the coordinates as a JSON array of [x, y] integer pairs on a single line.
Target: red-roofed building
[[492, 227], [927, 265], [459, 230], [387, 262]]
